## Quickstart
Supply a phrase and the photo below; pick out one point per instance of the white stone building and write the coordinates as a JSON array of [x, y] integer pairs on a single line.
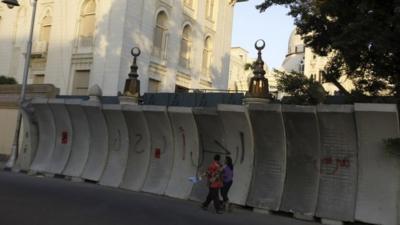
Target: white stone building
[[79, 43], [239, 78], [302, 59]]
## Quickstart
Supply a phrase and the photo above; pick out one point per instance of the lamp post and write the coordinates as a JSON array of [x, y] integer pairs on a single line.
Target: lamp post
[[14, 149]]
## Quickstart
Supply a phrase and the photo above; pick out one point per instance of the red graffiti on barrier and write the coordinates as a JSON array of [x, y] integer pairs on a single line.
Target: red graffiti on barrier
[[64, 137], [183, 143], [337, 162], [157, 153]]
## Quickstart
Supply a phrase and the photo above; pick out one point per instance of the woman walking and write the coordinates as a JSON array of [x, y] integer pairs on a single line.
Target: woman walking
[[227, 178], [214, 184]]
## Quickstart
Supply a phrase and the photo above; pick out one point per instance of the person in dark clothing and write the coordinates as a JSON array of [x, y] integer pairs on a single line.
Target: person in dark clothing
[[227, 178], [214, 184]]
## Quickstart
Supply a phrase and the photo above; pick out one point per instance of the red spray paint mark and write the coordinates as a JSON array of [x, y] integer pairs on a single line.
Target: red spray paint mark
[[64, 137], [157, 153], [339, 164]]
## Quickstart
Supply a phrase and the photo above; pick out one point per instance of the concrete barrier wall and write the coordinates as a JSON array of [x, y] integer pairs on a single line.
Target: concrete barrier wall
[[336, 164], [47, 135], [379, 172], [162, 149], [81, 139], [139, 148], [211, 137], [64, 140], [118, 146], [303, 149], [270, 156], [187, 147], [338, 176], [98, 152], [30, 139], [239, 141]]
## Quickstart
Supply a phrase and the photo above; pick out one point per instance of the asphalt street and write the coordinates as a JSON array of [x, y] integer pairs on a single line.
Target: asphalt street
[[29, 200]]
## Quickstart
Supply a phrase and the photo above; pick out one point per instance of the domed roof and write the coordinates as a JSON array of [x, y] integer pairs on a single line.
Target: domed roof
[[293, 63], [295, 40]]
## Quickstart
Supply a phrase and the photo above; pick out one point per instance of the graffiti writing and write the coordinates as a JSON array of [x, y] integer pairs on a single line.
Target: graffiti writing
[[242, 142], [183, 142], [139, 138], [64, 137], [157, 153], [117, 141], [337, 163]]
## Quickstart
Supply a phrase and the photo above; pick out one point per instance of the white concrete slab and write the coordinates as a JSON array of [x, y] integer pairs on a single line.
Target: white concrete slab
[[81, 139], [64, 140], [338, 176], [187, 147], [118, 146], [379, 171], [211, 137], [47, 135], [98, 152], [240, 142], [300, 193], [270, 156], [139, 148], [162, 149], [30, 139]]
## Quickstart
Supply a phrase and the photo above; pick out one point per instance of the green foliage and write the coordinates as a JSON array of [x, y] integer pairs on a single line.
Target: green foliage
[[7, 80], [363, 36], [392, 145], [248, 66], [303, 90]]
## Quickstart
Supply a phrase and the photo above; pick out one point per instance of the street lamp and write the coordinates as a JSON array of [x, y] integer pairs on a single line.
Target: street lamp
[[14, 149]]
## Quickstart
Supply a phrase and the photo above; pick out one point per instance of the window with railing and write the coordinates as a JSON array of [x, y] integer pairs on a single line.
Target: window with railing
[[185, 52], [38, 79], [81, 82], [207, 54], [45, 28], [160, 36], [210, 5], [87, 23]]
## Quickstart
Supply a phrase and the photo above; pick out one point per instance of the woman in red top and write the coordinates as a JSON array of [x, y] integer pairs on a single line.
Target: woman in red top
[[214, 184]]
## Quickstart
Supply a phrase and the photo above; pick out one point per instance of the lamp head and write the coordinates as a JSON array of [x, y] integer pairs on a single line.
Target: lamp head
[[10, 3]]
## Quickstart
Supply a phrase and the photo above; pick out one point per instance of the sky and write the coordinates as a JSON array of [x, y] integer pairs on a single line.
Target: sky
[[274, 26]]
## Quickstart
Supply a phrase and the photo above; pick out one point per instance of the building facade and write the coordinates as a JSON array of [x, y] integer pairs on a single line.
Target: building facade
[[79, 43], [239, 77], [303, 60]]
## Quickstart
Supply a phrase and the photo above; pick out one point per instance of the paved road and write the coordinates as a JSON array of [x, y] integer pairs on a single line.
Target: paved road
[[27, 200]]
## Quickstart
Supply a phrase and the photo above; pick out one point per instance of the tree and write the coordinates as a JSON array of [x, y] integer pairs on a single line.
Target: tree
[[361, 35], [7, 80], [303, 90]]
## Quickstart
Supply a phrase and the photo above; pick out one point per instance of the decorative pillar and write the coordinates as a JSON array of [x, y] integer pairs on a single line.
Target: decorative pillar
[[131, 92], [258, 87]]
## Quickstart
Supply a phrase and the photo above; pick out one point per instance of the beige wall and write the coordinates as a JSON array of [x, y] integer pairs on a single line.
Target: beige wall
[[9, 95], [8, 118]]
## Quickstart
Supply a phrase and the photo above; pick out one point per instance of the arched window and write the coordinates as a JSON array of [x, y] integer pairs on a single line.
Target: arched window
[[186, 42], [45, 28], [160, 35], [207, 53], [301, 66], [210, 9], [87, 22]]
